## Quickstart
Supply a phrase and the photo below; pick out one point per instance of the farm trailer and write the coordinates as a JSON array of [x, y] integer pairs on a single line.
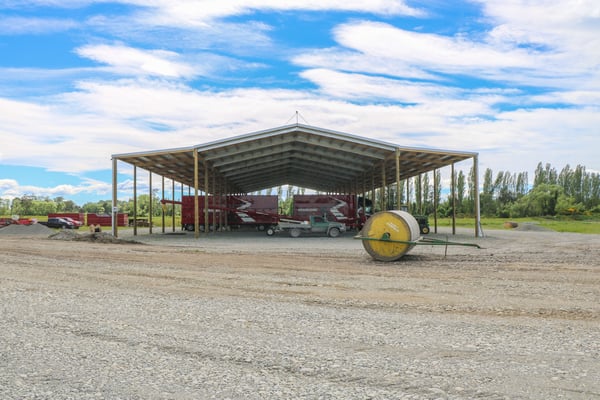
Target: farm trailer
[[258, 211]]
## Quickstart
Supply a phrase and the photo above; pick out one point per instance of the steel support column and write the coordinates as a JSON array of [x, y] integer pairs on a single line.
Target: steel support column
[[206, 182], [134, 200], [173, 203], [196, 211], [435, 200], [478, 230], [398, 179], [150, 210], [383, 188], [114, 211], [163, 205], [453, 191]]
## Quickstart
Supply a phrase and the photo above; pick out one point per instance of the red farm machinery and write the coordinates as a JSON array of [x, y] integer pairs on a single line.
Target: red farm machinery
[[262, 211]]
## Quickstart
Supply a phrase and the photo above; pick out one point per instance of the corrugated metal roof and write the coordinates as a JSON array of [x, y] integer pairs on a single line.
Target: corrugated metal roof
[[299, 155]]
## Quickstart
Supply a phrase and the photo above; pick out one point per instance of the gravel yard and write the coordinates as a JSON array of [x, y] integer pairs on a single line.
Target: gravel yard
[[238, 315]]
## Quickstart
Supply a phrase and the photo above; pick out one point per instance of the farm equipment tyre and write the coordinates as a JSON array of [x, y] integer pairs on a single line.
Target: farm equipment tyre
[[270, 231], [425, 230], [334, 232], [295, 232]]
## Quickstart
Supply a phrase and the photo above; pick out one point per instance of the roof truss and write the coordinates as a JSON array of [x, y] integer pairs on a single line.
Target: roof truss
[[298, 155]]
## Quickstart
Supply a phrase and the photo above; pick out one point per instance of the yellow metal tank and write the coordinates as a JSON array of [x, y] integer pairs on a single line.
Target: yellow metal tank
[[384, 233]]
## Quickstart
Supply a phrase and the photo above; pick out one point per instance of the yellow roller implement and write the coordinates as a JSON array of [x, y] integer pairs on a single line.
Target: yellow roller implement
[[396, 231], [388, 235]]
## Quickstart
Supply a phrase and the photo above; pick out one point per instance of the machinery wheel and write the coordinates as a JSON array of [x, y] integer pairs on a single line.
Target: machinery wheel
[[425, 230], [295, 232], [385, 227], [270, 231], [334, 232]]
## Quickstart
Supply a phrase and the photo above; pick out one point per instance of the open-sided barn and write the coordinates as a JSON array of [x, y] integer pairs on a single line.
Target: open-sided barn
[[300, 155]]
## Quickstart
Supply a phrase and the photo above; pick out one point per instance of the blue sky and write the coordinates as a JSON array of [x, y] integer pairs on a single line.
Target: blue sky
[[516, 81]]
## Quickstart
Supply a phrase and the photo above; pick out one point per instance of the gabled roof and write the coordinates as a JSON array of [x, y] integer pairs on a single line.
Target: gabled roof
[[299, 155]]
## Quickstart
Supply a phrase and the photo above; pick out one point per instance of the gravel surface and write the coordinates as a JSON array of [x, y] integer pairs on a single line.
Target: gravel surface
[[244, 316]]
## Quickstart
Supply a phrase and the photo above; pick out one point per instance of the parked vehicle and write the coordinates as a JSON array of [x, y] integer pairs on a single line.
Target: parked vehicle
[[258, 211], [344, 208], [261, 211], [71, 216], [16, 221], [6, 221], [315, 224], [59, 223], [73, 221], [423, 221]]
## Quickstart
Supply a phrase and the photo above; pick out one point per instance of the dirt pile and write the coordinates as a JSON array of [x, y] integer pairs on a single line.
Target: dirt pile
[[26, 230], [96, 237]]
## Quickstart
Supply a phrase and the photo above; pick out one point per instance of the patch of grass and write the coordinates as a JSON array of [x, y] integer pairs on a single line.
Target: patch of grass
[[588, 225]]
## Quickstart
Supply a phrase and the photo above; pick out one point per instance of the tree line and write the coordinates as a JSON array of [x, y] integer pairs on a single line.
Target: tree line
[[572, 191]]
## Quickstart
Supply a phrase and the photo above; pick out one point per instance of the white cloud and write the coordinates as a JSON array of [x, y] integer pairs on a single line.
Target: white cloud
[[11, 188], [32, 25], [79, 131], [451, 54], [548, 44], [130, 61], [202, 12], [363, 87], [368, 88]]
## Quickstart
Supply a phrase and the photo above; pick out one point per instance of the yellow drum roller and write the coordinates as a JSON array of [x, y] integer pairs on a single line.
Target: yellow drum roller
[[388, 235]]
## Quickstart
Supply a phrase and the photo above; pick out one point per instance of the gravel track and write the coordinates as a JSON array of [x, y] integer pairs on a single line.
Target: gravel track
[[244, 316]]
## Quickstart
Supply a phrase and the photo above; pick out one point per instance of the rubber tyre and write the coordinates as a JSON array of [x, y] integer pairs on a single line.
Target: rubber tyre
[[334, 232], [270, 231], [295, 232], [425, 230]]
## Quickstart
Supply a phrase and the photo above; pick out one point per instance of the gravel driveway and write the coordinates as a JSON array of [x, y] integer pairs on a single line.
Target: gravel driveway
[[244, 316]]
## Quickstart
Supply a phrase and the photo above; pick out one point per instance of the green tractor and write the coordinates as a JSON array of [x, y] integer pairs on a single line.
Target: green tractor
[[423, 221]]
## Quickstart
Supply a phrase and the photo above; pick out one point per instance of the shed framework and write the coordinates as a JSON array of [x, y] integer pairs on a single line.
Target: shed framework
[[300, 155]]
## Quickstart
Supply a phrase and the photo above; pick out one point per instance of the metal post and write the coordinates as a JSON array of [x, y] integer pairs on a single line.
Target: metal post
[[150, 211], [478, 230], [364, 194], [134, 200], [398, 179], [408, 194], [163, 205], [373, 188], [206, 224], [173, 199], [435, 200], [114, 211], [419, 198], [453, 190], [214, 197], [196, 211], [383, 187]]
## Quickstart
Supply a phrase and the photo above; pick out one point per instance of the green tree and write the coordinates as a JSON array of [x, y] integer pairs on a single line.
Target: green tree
[[488, 205], [542, 200], [4, 206]]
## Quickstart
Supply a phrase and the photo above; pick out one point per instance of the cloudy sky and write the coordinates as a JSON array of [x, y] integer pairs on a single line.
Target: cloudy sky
[[517, 81]]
